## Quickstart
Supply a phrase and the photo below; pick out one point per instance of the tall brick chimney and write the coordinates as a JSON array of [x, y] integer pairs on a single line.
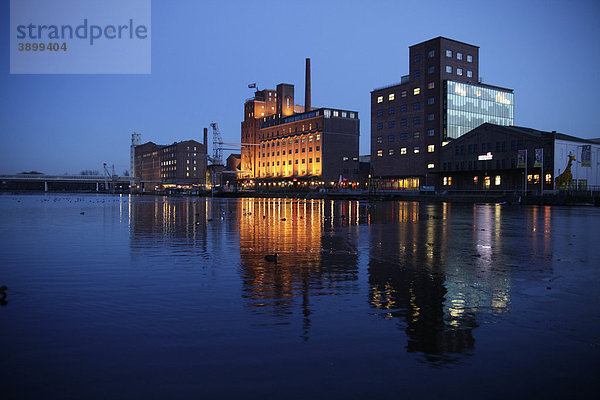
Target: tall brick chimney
[[307, 106]]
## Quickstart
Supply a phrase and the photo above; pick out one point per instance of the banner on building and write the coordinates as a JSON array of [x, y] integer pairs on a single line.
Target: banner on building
[[539, 158], [586, 156], [522, 159]]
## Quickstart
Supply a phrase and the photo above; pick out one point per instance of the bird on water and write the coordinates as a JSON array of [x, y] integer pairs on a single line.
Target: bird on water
[[271, 257]]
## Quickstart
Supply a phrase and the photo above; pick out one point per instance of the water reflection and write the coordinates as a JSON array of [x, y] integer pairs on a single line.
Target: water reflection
[[437, 271], [313, 259]]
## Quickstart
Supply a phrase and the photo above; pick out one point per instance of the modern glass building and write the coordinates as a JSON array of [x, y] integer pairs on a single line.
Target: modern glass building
[[468, 106]]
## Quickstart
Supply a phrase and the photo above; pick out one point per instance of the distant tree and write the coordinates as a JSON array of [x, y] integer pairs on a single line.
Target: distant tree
[[89, 172], [125, 173], [31, 173]]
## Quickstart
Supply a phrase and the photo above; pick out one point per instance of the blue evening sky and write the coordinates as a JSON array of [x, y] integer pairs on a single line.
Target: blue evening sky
[[205, 53]]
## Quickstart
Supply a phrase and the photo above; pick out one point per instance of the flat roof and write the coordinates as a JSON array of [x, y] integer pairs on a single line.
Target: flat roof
[[445, 38]]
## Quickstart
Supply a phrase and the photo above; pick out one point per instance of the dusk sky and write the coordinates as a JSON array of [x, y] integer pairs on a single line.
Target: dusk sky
[[205, 53]]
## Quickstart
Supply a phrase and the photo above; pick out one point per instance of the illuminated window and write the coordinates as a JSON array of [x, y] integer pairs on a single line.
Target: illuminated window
[[416, 149], [459, 56], [431, 53], [458, 71], [430, 165], [416, 91], [379, 153], [469, 74], [449, 69], [403, 150], [318, 136], [529, 178], [498, 180], [487, 182], [391, 96], [475, 179], [380, 99], [390, 152], [431, 148], [449, 53], [336, 113], [548, 178], [469, 58], [403, 93], [447, 181], [431, 85]]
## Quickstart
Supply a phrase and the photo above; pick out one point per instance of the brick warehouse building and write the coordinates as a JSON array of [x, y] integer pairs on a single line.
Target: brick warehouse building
[[181, 164], [440, 100], [288, 144]]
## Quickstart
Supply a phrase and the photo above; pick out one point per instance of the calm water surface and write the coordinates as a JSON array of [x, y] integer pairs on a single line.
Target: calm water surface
[[152, 297]]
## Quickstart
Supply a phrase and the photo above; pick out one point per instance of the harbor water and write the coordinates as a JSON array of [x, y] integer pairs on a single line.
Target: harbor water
[[117, 296]]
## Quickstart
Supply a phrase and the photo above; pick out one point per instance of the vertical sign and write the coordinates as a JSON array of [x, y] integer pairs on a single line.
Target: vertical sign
[[539, 157], [586, 156], [522, 159]]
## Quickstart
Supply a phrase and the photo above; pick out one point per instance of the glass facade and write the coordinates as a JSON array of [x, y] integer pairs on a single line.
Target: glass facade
[[468, 106]]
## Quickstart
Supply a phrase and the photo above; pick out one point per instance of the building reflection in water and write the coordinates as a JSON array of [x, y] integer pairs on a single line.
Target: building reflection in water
[[313, 258]]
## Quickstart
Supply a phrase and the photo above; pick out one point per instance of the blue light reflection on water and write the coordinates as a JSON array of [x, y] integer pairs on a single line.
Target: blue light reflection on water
[[172, 297]]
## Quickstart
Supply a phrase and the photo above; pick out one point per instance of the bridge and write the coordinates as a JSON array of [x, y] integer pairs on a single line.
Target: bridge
[[46, 183]]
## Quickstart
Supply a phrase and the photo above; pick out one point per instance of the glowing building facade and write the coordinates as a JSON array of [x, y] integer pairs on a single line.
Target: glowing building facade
[[284, 143]]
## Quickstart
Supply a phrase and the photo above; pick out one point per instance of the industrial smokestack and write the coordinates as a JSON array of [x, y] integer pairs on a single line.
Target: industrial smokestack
[[205, 138], [307, 106]]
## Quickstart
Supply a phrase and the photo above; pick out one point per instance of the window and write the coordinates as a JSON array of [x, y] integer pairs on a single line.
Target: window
[[379, 113], [310, 149], [304, 161], [469, 74], [449, 69], [431, 85], [430, 69], [458, 71], [475, 179], [449, 53], [430, 101], [431, 132], [391, 96], [379, 139], [391, 111], [431, 148], [430, 166], [336, 113], [380, 99], [318, 148], [417, 58], [416, 91], [391, 124], [390, 152], [431, 53], [403, 93], [447, 181], [403, 136], [403, 122], [403, 107], [469, 58], [416, 149], [416, 120], [416, 106], [310, 160], [344, 114], [416, 135], [391, 138], [403, 150], [379, 126], [459, 56], [417, 73], [498, 180], [430, 117], [318, 159], [379, 153]]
